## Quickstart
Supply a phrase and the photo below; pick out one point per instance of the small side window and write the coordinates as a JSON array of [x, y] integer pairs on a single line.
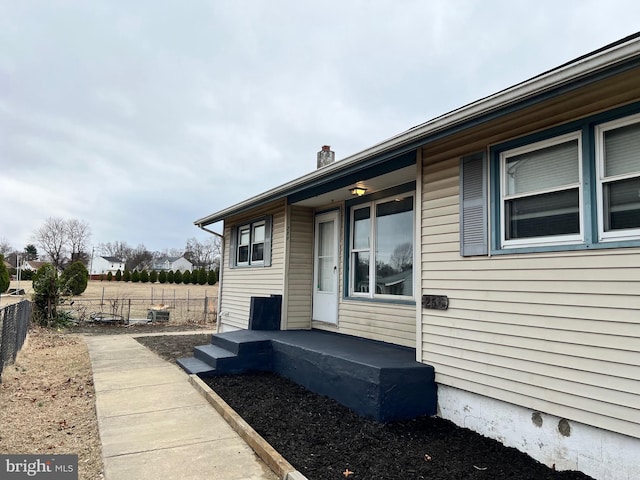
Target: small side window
[[251, 244]]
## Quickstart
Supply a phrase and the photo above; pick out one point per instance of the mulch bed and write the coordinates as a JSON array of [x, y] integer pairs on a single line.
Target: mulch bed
[[325, 440]]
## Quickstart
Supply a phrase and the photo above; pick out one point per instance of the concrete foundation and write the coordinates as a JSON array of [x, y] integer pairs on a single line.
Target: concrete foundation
[[551, 440]]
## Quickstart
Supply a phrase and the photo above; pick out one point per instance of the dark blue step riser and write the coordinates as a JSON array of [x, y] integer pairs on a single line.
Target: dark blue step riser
[[240, 347], [236, 364], [192, 366], [217, 360], [364, 389]]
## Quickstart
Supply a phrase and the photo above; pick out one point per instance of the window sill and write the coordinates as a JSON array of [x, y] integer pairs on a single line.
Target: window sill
[[565, 248], [393, 301]]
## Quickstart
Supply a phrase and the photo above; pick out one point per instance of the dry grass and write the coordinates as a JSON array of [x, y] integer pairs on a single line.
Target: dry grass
[[47, 401], [158, 291], [113, 289], [132, 300]]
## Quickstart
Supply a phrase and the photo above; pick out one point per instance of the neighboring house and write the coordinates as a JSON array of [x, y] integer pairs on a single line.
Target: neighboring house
[[103, 265], [32, 265], [172, 263], [521, 216]]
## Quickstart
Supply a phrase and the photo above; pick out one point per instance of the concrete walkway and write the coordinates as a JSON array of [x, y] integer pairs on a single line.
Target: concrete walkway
[[155, 425]]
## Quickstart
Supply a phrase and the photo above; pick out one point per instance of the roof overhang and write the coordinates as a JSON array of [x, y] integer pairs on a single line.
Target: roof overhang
[[398, 152]]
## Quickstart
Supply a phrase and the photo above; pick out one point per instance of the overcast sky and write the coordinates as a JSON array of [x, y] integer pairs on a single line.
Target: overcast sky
[[141, 116]]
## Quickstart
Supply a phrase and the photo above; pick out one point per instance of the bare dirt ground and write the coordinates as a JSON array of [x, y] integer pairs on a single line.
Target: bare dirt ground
[[47, 401]]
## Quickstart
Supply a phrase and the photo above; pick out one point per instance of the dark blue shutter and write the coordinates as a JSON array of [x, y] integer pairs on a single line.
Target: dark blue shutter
[[473, 205], [267, 240], [233, 246]]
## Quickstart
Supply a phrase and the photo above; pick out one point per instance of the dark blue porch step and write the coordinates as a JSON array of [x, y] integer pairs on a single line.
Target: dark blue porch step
[[244, 342], [375, 379], [215, 356], [193, 366], [230, 356]]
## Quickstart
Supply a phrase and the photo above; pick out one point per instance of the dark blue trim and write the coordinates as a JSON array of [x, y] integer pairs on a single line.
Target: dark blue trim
[[589, 183], [327, 210], [362, 171], [390, 192], [346, 261]]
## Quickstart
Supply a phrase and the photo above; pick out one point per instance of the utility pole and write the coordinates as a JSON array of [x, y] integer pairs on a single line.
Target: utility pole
[[18, 269]]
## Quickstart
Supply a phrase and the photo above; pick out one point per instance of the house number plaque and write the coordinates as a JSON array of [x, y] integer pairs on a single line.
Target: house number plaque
[[435, 302]]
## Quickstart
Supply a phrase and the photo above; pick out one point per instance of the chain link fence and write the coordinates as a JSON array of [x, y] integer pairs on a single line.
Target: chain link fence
[[121, 310], [14, 324]]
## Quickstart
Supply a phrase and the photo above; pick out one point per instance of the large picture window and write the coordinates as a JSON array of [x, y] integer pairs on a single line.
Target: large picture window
[[540, 192], [618, 166], [381, 248]]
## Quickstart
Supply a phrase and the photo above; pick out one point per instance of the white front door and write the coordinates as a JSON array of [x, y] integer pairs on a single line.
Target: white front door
[[325, 269]]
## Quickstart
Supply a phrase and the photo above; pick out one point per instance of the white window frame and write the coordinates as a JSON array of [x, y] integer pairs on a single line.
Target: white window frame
[[253, 242], [548, 240], [239, 245], [600, 130], [250, 227], [372, 249]]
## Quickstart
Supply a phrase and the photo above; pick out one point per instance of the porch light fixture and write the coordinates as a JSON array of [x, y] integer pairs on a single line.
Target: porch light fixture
[[358, 191]]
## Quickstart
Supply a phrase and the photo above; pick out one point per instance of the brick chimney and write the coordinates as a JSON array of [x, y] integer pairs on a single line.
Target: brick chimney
[[326, 156]]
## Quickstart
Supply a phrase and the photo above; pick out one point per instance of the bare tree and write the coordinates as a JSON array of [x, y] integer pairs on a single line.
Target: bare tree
[[5, 246], [402, 256], [140, 258], [119, 250], [78, 234], [52, 239], [167, 252], [204, 254]]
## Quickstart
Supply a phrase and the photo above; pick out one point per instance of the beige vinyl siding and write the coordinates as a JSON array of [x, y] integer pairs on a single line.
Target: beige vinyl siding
[[240, 284], [299, 275], [556, 332], [387, 322]]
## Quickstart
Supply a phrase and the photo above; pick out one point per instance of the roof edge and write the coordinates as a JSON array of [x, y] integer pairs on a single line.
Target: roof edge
[[618, 52]]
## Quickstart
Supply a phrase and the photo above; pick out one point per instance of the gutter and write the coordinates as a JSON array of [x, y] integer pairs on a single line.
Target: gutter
[[219, 301], [606, 57]]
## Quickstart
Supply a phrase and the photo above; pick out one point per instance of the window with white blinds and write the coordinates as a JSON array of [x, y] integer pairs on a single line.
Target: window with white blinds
[[540, 192], [618, 163]]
